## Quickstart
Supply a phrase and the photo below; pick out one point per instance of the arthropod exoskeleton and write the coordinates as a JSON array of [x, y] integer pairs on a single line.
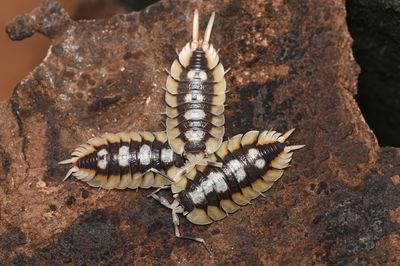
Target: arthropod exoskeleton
[[125, 160], [251, 163], [195, 97]]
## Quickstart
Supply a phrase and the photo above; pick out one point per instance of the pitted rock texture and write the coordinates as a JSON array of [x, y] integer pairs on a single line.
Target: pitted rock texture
[[292, 66]]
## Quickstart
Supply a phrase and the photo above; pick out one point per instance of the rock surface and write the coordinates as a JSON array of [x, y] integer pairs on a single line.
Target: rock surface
[[292, 66]]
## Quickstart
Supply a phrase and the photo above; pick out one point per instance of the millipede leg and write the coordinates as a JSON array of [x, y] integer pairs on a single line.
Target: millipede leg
[[175, 220], [156, 191], [200, 240], [189, 166], [183, 171], [160, 173], [175, 209], [161, 200], [157, 172]]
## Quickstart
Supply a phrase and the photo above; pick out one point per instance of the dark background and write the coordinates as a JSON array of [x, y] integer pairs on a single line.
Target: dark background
[[374, 26]]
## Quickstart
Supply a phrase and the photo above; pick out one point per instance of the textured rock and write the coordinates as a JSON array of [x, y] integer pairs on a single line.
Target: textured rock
[[291, 67]]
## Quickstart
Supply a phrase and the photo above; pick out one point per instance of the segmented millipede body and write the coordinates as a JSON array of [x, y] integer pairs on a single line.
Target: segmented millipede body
[[125, 160], [251, 163], [195, 97]]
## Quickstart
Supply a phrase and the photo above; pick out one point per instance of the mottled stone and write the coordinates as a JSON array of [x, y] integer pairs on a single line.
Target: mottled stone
[[292, 66]]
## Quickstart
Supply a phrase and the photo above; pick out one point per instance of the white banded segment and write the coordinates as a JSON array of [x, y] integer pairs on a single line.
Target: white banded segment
[[194, 114], [103, 160], [125, 160], [195, 96], [123, 156], [251, 164]]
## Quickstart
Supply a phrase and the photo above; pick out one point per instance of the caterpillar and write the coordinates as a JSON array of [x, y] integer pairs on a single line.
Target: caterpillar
[[125, 160], [251, 163], [195, 97]]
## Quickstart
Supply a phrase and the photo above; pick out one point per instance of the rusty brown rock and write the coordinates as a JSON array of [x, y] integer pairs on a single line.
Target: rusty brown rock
[[292, 66]]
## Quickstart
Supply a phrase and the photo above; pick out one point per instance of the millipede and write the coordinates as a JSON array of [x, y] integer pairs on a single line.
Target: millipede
[[195, 97], [125, 160]]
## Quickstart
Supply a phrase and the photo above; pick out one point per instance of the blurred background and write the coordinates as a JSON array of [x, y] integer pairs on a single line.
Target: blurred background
[[374, 26], [19, 58]]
